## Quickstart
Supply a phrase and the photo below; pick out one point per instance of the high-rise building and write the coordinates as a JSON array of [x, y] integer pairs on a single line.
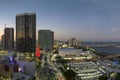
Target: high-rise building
[[8, 39], [56, 43], [73, 42], [46, 39], [26, 32], [3, 41]]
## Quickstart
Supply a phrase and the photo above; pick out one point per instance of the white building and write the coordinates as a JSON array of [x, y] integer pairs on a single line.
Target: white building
[[76, 54], [73, 42], [86, 70]]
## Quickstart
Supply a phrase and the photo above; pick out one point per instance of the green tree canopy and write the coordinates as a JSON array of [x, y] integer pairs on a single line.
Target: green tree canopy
[[117, 77], [103, 77], [69, 74]]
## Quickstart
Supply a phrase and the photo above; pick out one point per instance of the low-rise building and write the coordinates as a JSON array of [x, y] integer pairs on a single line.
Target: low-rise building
[[86, 70], [77, 54], [18, 76]]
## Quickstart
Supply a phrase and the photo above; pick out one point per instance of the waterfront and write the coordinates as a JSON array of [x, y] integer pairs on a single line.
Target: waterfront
[[104, 47], [108, 50]]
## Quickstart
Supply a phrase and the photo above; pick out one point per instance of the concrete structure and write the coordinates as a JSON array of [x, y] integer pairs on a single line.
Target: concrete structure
[[56, 44], [26, 32], [18, 76], [46, 39], [86, 70], [8, 39], [110, 66], [3, 56], [29, 67], [73, 42], [8, 67], [77, 55], [3, 41]]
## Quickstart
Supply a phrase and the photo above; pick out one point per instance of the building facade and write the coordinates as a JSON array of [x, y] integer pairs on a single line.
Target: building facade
[[73, 42], [46, 39], [8, 39], [26, 32], [3, 41]]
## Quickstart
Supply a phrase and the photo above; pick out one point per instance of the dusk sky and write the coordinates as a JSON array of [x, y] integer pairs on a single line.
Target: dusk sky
[[86, 20]]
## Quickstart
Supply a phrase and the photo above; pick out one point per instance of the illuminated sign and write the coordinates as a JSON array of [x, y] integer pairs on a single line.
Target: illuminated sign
[[38, 51]]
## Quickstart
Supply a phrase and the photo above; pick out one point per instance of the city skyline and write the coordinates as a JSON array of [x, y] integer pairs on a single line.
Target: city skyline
[[86, 20]]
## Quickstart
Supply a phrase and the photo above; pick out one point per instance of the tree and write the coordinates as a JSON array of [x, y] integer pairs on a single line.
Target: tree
[[117, 77], [69, 74], [56, 52], [103, 77]]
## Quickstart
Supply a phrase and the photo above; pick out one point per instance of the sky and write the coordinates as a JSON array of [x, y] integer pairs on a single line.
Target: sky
[[85, 20]]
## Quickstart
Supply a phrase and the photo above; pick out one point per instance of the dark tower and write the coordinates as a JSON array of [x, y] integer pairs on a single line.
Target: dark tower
[[26, 32], [8, 38]]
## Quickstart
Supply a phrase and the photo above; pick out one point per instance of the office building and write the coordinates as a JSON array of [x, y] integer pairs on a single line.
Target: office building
[[46, 39], [3, 41], [26, 32], [73, 42], [8, 39], [56, 43]]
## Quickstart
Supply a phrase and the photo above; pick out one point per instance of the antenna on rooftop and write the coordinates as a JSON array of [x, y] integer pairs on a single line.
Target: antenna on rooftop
[[5, 25]]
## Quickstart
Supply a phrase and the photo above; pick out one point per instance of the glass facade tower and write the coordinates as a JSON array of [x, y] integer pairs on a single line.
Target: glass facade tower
[[46, 39], [26, 32]]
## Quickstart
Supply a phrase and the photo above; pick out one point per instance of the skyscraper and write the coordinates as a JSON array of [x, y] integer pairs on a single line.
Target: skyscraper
[[73, 42], [46, 39], [3, 41], [8, 39], [26, 32]]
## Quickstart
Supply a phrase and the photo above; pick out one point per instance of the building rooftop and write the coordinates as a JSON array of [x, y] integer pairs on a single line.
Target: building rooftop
[[32, 13], [18, 76], [73, 52]]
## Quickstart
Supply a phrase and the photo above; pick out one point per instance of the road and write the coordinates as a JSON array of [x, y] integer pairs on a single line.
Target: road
[[46, 72]]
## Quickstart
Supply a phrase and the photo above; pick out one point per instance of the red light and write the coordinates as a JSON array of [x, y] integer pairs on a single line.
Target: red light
[[38, 51]]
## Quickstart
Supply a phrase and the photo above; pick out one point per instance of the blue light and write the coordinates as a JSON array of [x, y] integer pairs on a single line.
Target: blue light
[[11, 59], [116, 62]]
